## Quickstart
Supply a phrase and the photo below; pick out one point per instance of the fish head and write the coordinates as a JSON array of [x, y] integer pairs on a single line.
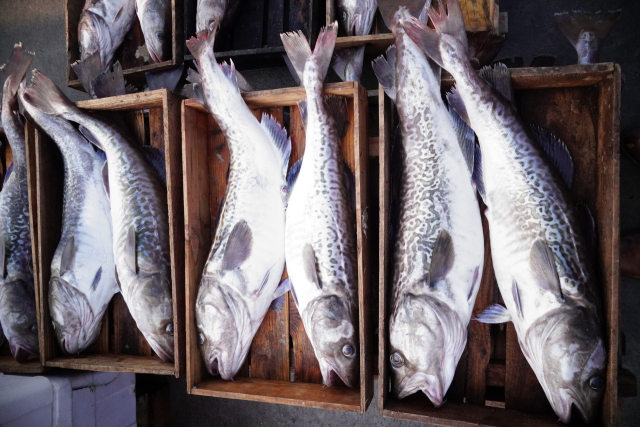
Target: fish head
[[348, 16], [333, 332], [93, 35], [153, 312], [74, 323], [18, 318], [572, 357], [153, 17], [223, 326], [426, 341]]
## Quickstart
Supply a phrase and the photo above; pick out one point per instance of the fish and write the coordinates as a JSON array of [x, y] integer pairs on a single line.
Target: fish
[[241, 278], [82, 270], [320, 236], [139, 216], [154, 17], [208, 11], [356, 19], [585, 30], [542, 243], [102, 28], [17, 295], [439, 243]]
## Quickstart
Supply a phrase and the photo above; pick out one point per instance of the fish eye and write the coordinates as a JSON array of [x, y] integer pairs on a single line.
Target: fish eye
[[34, 328], [200, 338], [596, 383], [397, 360], [348, 350], [160, 35], [170, 329]]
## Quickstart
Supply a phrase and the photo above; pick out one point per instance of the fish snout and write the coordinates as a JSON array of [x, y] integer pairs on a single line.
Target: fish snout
[[430, 385], [331, 374], [567, 404], [163, 346], [20, 349]]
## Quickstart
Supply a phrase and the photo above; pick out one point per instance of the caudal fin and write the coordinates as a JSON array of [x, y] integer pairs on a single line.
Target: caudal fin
[[88, 69], [44, 95], [484, 47], [299, 52], [389, 9], [109, 83], [575, 22], [347, 63], [385, 71], [203, 42], [164, 79], [449, 21], [15, 69]]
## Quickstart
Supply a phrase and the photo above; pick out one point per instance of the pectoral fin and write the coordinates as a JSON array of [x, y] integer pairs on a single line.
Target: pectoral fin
[[279, 295], [238, 247], [494, 315], [543, 268], [68, 256], [442, 257], [309, 265], [130, 250]]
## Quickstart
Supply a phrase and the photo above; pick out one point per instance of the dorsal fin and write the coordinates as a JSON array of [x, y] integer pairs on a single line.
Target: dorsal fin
[[457, 104], [239, 246], [557, 151], [385, 71], [109, 83], [337, 107], [543, 268], [278, 136], [389, 9], [8, 173], [16, 69], [499, 78]]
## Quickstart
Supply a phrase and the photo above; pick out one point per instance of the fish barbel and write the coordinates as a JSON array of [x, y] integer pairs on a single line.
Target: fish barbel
[[540, 256], [320, 240], [82, 270], [241, 278], [439, 243], [139, 215], [17, 295]]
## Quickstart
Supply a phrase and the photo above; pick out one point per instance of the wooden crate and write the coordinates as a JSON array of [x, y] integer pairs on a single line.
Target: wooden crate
[[254, 41], [494, 385], [134, 69], [120, 347], [479, 16], [281, 366], [8, 364]]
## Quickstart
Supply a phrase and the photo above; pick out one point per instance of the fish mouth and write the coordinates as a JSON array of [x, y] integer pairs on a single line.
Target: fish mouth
[[330, 374], [153, 54], [20, 350], [160, 351], [429, 385], [568, 401]]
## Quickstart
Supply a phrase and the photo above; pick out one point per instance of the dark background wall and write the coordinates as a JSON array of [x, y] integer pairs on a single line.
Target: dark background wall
[[40, 26]]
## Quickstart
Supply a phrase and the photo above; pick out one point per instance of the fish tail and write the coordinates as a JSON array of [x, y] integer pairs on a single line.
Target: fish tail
[[347, 63], [385, 71], [44, 95], [164, 79], [203, 42], [299, 52], [575, 22], [15, 69], [88, 69], [109, 83], [450, 22], [389, 9]]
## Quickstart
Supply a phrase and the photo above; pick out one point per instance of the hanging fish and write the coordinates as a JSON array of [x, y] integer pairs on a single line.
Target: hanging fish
[[585, 30], [154, 15], [356, 19], [542, 245]]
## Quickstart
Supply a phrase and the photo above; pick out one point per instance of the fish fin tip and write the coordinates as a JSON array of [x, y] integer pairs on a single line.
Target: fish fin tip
[[278, 303], [499, 78], [8, 173], [88, 69], [557, 152], [109, 83], [165, 79], [385, 71], [442, 257], [309, 264], [16, 69], [494, 314], [242, 83], [96, 279], [426, 38], [454, 99], [543, 268], [466, 138], [323, 50], [239, 246], [278, 136], [293, 176], [347, 63], [297, 50], [44, 95]]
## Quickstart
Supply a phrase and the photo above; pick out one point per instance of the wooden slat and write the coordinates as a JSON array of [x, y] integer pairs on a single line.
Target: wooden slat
[[8, 365], [114, 363], [127, 338], [306, 368]]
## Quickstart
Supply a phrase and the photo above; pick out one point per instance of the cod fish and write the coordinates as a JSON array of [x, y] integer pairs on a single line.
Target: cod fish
[[241, 278], [154, 16], [208, 11], [439, 243], [82, 270], [356, 18], [320, 240], [541, 257], [585, 30], [138, 213], [17, 295], [102, 28]]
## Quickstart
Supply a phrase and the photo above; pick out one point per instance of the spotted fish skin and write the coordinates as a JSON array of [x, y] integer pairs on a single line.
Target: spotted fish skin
[[431, 306], [540, 256], [243, 271], [82, 277], [17, 296], [139, 215]]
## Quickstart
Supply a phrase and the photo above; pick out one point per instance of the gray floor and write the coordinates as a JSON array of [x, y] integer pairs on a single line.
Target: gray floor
[[40, 26]]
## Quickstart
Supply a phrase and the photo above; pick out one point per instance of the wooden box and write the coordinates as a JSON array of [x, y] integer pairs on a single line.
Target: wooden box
[[254, 41], [134, 66], [479, 16], [494, 385], [120, 347], [281, 366], [8, 364]]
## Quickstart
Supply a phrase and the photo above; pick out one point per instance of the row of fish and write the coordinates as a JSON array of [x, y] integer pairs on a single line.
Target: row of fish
[[115, 230], [266, 218], [542, 244]]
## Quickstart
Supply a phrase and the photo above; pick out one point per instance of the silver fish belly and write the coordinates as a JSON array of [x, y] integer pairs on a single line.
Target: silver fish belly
[[240, 279], [320, 240], [82, 270], [102, 27], [439, 243], [17, 297]]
